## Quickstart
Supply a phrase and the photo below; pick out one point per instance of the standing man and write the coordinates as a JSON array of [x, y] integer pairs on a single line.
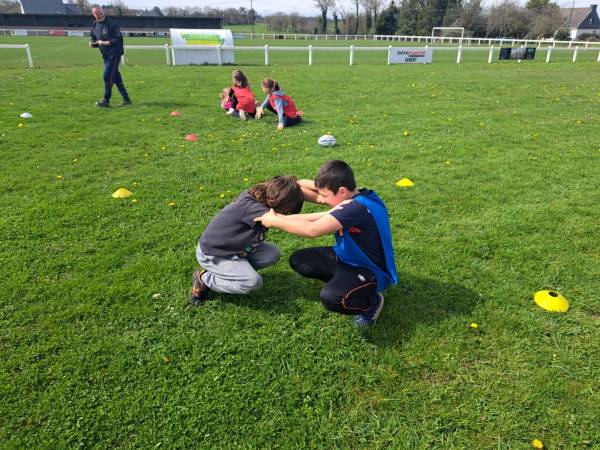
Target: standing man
[[106, 35]]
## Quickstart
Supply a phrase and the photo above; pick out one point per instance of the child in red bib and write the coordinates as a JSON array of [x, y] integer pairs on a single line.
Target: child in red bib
[[279, 103], [243, 104]]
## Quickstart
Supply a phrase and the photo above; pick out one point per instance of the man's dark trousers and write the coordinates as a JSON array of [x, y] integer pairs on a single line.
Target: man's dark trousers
[[113, 76]]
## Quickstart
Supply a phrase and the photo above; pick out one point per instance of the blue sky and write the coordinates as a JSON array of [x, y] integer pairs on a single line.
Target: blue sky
[[303, 7]]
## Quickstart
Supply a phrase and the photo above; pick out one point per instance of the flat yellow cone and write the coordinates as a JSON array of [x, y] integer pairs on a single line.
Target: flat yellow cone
[[122, 193], [551, 301], [405, 182]]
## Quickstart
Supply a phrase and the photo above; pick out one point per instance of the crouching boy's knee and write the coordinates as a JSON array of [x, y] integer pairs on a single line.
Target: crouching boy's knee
[[330, 299], [250, 284]]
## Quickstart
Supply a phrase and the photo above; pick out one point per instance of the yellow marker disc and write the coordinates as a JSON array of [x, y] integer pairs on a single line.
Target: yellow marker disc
[[122, 193], [551, 301], [405, 182]]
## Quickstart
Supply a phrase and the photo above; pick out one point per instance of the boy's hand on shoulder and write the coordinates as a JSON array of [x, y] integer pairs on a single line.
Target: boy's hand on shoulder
[[267, 218], [341, 205]]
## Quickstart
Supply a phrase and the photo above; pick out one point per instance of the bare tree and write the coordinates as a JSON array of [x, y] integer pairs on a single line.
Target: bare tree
[[508, 19], [546, 21], [7, 6], [371, 8], [344, 11], [324, 6]]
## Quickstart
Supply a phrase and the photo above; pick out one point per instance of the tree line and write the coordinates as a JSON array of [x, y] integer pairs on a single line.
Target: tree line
[[537, 19]]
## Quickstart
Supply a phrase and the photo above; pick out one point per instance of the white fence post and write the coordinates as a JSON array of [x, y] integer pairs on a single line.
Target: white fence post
[[219, 56], [575, 54], [351, 54], [389, 55], [29, 58], [548, 55], [266, 54], [310, 53], [459, 55], [491, 54], [167, 54]]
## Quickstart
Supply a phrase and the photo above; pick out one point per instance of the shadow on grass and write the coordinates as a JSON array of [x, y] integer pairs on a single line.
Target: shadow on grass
[[414, 301], [419, 301]]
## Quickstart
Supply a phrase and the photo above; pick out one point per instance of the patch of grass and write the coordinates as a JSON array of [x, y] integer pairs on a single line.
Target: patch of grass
[[504, 158]]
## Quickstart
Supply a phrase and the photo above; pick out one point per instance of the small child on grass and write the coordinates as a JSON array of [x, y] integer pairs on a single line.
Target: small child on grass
[[361, 265], [279, 103], [242, 103]]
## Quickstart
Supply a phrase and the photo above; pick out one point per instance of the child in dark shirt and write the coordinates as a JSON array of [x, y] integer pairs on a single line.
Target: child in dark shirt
[[232, 247], [361, 264]]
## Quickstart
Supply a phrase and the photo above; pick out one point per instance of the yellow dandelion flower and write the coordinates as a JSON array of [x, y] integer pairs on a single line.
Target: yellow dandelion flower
[[134, 200], [221, 195], [171, 204], [163, 148], [21, 125], [536, 443], [246, 179], [474, 325], [60, 177], [406, 133]]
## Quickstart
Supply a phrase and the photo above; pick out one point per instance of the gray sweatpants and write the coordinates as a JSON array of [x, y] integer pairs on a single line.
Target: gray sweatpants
[[236, 275]]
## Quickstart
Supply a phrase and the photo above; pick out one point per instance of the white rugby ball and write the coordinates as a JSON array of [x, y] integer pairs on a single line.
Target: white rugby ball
[[327, 140]]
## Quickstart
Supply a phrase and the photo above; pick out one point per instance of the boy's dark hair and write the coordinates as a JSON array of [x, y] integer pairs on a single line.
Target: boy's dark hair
[[240, 77], [270, 84], [282, 193], [335, 174]]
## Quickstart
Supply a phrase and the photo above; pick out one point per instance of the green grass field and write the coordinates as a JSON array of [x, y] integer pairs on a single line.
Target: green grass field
[[504, 158]]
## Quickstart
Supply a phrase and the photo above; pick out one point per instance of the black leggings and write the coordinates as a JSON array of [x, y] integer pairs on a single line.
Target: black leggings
[[348, 289], [288, 121]]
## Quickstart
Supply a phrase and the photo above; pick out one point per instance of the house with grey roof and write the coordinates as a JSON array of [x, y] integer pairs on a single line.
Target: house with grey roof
[[578, 21], [42, 7]]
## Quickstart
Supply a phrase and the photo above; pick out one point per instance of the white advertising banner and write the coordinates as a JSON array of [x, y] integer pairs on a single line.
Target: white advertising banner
[[75, 33], [181, 38], [417, 55], [19, 32]]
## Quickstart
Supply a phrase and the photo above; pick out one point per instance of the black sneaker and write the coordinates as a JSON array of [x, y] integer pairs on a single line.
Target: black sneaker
[[199, 292], [126, 103], [103, 104]]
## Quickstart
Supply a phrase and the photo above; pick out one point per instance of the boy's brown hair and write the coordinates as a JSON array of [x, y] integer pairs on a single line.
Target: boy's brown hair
[[239, 78], [282, 193]]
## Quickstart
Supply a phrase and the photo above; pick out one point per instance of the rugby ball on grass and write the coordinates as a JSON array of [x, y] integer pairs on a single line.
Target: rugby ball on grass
[[326, 140]]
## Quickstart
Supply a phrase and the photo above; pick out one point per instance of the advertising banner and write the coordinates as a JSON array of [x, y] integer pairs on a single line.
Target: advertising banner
[[416, 55], [516, 53], [205, 38]]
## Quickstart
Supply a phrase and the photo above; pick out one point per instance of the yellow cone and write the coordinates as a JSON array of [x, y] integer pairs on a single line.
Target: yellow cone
[[122, 193], [405, 182], [551, 301]]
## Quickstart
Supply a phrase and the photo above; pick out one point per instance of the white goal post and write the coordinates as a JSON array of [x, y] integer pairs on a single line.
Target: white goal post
[[461, 29], [27, 50]]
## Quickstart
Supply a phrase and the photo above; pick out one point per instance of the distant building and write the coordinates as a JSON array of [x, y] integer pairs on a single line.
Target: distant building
[[146, 13], [578, 21], [42, 7]]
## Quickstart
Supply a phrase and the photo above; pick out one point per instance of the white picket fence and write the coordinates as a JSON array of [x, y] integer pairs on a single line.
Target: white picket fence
[[310, 49], [432, 40]]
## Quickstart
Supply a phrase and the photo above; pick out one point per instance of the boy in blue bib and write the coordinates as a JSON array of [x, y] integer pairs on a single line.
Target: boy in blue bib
[[361, 263]]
